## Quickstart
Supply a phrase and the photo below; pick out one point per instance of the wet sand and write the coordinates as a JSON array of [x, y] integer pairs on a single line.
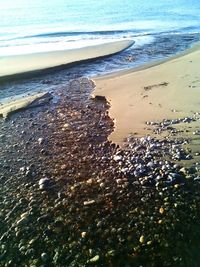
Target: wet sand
[[165, 91]]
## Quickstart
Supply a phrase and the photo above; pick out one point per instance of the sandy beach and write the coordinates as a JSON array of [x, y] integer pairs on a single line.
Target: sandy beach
[[168, 90], [71, 197], [99, 133]]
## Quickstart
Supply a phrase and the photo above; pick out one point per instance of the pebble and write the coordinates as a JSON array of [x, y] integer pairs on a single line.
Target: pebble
[[111, 253], [40, 140], [25, 215], [94, 259], [66, 125], [117, 157], [44, 256], [123, 181], [83, 234], [161, 210], [89, 202], [22, 221], [44, 183], [196, 133], [142, 239]]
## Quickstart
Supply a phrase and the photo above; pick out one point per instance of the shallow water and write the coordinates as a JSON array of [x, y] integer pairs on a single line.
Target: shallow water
[[57, 25], [162, 46], [159, 29]]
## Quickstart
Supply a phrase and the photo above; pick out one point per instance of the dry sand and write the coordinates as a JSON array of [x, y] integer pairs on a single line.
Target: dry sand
[[11, 65], [167, 90]]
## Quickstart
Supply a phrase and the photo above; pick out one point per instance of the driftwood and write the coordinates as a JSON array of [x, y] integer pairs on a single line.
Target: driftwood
[[99, 98], [24, 103]]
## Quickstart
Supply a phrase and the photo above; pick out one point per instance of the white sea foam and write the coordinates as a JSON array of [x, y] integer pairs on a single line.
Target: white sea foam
[[22, 63], [28, 27], [59, 45]]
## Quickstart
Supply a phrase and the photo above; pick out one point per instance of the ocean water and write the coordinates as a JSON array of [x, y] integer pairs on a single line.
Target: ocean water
[[159, 28], [37, 26]]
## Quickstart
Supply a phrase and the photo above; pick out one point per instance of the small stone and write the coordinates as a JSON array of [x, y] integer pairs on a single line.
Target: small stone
[[22, 221], [102, 185], [176, 185], [90, 181], [161, 210], [94, 259], [63, 167], [22, 169], [44, 183], [196, 132], [98, 98], [44, 256], [117, 158], [184, 170], [32, 241], [89, 202], [40, 140], [141, 239], [25, 215], [83, 234], [66, 125], [111, 253]]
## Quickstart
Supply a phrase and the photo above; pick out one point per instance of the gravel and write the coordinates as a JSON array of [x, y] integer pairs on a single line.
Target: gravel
[[69, 197]]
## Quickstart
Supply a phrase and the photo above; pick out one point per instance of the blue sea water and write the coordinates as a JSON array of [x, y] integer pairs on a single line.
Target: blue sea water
[[33, 26], [159, 28]]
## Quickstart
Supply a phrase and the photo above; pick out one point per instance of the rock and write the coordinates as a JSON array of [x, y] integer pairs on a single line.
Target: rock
[[90, 181], [174, 178], [161, 210], [89, 202], [22, 221], [30, 252], [150, 165], [83, 234], [111, 253], [117, 158], [99, 98], [141, 240], [94, 259], [184, 170], [25, 215], [196, 133], [63, 167], [40, 140], [66, 125], [102, 185], [44, 183], [44, 256]]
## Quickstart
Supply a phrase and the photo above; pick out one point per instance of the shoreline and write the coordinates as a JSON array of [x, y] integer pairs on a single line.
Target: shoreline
[[145, 66], [69, 190], [151, 93], [30, 63]]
